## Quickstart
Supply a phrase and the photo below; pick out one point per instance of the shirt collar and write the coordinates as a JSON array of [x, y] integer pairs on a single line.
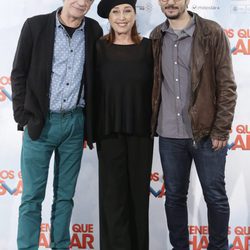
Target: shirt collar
[[59, 25], [189, 29]]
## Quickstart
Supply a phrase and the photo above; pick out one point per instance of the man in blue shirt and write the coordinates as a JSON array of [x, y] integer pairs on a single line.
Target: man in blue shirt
[[52, 94]]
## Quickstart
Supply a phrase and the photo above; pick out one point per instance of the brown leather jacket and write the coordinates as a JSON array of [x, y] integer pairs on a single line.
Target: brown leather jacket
[[213, 95]]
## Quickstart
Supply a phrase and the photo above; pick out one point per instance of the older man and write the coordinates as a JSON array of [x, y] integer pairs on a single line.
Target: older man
[[52, 86], [194, 97]]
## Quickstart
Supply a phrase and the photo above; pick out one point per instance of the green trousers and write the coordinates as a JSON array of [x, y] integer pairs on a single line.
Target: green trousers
[[63, 135]]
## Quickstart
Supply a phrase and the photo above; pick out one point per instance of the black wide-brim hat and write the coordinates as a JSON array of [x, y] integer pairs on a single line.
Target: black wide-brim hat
[[105, 6]]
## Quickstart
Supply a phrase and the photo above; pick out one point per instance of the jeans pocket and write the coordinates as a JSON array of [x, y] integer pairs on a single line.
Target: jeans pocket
[[206, 143]]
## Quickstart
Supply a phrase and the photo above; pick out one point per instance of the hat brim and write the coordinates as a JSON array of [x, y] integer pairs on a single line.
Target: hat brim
[[105, 6]]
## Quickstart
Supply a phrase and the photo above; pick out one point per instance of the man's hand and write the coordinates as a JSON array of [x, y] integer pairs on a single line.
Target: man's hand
[[218, 144]]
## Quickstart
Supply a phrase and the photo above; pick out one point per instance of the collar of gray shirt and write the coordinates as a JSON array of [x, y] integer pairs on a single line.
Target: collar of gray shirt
[[187, 31]]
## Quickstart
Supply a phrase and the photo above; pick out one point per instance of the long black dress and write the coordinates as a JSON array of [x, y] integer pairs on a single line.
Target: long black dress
[[124, 78]]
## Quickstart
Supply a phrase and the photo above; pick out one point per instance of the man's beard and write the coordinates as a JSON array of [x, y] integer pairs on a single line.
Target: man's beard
[[173, 17], [176, 16]]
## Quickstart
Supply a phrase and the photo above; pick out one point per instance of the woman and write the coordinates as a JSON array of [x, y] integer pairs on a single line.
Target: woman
[[124, 76]]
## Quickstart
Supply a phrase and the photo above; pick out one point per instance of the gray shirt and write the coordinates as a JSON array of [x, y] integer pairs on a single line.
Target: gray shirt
[[173, 119]]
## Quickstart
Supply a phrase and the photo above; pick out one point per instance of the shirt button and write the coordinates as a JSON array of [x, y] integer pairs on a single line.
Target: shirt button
[[64, 100], [178, 114], [67, 84], [176, 79], [177, 97], [175, 63], [71, 50], [175, 45]]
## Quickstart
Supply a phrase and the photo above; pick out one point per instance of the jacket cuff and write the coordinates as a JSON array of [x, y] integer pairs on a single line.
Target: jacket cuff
[[220, 137], [19, 127]]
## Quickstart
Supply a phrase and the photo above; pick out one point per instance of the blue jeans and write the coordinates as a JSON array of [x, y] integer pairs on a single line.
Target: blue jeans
[[63, 135], [176, 158]]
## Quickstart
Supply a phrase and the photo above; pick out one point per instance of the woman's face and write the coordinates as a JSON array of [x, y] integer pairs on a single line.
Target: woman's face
[[122, 18]]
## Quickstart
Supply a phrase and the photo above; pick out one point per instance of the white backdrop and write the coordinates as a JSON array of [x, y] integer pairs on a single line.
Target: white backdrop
[[234, 16]]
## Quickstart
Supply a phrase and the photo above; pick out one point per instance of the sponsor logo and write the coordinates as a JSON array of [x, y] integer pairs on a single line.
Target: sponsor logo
[[196, 7], [145, 5], [10, 183], [241, 39], [243, 9], [82, 236], [241, 140], [4, 85], [240, 237], [157, 188]]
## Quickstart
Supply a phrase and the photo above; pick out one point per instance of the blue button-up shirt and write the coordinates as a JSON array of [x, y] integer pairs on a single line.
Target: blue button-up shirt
[[67, 69]]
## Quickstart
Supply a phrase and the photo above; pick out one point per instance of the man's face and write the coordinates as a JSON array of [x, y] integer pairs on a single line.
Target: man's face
[[76, 9], [173, 9]]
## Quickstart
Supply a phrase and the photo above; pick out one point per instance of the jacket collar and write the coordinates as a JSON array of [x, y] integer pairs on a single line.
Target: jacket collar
[[201, 29], [189, 29]]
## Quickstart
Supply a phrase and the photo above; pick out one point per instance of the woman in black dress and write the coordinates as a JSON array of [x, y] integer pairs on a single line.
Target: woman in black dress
[[124, 77]]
